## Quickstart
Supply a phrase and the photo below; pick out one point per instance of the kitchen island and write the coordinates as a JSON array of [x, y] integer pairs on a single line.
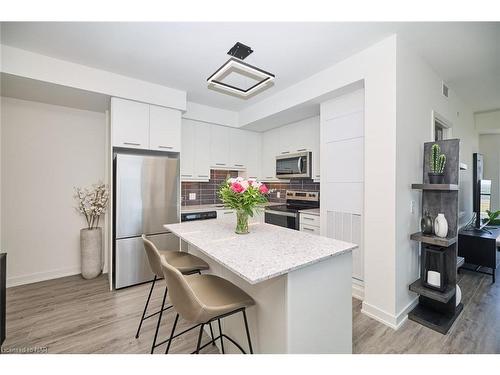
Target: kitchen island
[[301, 284]]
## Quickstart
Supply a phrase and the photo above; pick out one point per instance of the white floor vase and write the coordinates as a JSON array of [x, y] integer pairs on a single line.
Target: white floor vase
[[91, 252]]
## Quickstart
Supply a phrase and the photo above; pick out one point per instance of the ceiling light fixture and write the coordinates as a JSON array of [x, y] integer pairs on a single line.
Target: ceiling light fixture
[[236, 67]]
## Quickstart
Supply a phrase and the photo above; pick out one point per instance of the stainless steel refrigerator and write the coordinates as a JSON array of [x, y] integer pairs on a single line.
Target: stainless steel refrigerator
[[146, 197]]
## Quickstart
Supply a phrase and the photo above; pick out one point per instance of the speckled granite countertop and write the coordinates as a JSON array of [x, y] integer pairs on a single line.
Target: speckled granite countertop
[[310, 211], [267, 251]]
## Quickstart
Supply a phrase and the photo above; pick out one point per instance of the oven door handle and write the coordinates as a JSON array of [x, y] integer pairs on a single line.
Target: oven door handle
[[289, 214], [299, 164]]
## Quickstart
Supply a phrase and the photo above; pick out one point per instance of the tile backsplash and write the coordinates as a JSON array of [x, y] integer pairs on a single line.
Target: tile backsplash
[[206, 192], [296, 184]]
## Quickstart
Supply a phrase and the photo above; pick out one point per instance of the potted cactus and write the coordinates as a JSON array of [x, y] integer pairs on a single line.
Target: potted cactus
[[438, 162]]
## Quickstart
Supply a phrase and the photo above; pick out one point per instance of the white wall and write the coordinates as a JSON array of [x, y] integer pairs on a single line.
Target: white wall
[[376, 66], [418, 94], [489, 146], [46, 151], [488, 122], [205, 113], [43, 68]]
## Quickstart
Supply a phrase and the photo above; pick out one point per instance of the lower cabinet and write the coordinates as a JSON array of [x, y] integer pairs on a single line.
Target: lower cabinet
[[309, 223]]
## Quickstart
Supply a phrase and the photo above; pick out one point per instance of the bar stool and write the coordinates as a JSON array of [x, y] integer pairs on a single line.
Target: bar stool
[[184, 262], [203, 299]]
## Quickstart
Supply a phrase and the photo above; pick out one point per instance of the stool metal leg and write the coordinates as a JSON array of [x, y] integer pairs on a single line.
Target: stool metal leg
[[248, 332], [172, 333], [220, 334], [159, 320], [199, 339], [145, 308], [212, 333]]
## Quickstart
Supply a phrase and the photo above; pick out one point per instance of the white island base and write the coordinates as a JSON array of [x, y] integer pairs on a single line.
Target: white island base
[[308, 310], [301, 284]]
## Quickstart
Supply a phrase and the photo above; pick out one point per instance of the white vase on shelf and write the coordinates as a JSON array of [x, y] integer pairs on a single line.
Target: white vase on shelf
[[458, 297], [441, 226]]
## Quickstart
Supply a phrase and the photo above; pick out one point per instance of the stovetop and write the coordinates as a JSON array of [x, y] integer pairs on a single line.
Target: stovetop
[[296, 201], [293, 208]]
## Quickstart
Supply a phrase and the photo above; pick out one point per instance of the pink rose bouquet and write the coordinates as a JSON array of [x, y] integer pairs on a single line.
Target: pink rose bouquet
[[244, 196]]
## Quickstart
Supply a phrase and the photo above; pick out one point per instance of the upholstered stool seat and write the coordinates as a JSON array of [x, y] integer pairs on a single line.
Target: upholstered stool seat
[[217, 296], [184, 262], [201, 299]]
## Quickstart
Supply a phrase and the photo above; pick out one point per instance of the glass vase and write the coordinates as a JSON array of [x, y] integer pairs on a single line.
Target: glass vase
[[241, 222]]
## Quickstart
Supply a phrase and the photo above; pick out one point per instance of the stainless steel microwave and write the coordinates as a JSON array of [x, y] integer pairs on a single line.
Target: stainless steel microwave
[[294, 165]]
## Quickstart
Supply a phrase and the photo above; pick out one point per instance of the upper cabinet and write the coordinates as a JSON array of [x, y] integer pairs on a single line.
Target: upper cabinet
[[130, 123], [219, 146], [195, 162], [238, 149], [228, 148], [293, 138], [253, 155], [164, 129], [145, 126], [270, 149]]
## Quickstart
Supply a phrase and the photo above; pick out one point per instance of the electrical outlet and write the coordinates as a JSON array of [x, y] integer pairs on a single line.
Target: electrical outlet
[[192, 196], [412, 207], [278, 195]]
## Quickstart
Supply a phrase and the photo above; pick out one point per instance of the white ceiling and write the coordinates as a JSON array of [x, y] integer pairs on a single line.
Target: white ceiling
[[183, 55]]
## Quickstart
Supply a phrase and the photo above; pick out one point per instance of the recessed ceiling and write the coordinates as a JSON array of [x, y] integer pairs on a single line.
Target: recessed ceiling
[[183, 55]]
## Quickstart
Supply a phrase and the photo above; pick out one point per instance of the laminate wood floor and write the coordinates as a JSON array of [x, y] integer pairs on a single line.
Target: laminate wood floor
[[72, 315], [476, 330]]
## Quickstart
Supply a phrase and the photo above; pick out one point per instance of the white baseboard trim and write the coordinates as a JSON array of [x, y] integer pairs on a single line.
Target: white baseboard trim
[[358, 289], [403, 314], [41, 276], [393, 321]]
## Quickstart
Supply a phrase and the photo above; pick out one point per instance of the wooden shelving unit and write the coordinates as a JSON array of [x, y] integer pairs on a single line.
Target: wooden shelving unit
[[433, 240], [436, 295], [437, 309], [440, 187]]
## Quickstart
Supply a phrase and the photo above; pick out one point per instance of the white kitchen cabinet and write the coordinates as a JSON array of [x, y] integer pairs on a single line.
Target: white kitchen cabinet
[[270, 149], [220, 146], [145, 126], [309, 223], [254, 155], [130, 123], [316, 169], [187, 150], [238, 149], [195, 163], [164, 129]]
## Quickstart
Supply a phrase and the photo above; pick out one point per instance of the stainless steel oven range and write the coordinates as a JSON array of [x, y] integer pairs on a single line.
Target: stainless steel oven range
[[287, 215]]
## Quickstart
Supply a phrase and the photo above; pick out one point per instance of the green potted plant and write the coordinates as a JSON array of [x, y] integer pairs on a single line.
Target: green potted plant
[[438, 162], [493, 217]]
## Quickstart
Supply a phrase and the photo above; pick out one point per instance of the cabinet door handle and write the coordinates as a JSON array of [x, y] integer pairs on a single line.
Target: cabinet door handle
[[285, 152], [186, 175], [228, 212], [317, 175], [239, 165], [220, 163], [131, 144], [302, 149], [307, 218], [166, 147], [203, 175], [309, 229]]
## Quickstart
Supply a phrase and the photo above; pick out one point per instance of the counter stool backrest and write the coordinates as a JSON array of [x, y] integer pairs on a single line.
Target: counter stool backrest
[[181, 295], [154, 256]]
